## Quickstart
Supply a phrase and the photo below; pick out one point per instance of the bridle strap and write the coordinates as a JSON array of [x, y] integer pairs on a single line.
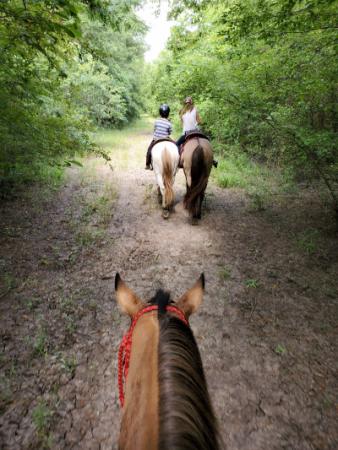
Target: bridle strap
[[125, 346]]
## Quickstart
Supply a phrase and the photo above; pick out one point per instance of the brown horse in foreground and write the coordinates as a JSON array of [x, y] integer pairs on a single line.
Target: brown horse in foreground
[[163, 391], [197, 160]]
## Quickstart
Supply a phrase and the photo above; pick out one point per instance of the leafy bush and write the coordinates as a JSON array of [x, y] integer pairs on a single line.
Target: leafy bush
[[65, 68]]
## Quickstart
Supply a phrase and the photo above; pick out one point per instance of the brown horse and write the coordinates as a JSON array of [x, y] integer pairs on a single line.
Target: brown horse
[[197, 160], [163, 391]]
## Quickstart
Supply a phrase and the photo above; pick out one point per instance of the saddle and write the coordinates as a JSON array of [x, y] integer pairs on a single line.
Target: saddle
[[156, 141], [188, 136], [194, 134]]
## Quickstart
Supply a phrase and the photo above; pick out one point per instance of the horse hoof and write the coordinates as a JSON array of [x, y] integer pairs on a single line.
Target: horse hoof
[[165, 214], [194, 221]]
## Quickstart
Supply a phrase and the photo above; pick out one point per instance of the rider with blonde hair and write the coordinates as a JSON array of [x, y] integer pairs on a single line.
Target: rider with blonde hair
[[190, 120]]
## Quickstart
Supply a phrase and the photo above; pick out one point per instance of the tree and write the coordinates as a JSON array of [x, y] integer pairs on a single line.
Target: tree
[[66, 66], [263, 74]]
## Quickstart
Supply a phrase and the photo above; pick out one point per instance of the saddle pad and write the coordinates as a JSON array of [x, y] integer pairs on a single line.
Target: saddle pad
[[195, 134], [156, 141]]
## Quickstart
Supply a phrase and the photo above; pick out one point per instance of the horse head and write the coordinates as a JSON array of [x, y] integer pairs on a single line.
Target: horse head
[[162, 386]]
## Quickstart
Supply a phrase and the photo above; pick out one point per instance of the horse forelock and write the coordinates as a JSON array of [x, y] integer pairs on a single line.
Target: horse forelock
[[162, 300]]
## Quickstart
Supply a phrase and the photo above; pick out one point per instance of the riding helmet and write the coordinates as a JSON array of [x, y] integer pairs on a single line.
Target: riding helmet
[[164, 110]]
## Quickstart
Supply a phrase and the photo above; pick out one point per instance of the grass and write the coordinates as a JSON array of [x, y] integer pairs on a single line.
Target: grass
[[70, 324], [225, 273], [87, 236], [5, 392], [33, 303], [100, 204], [69, 364], [47, 175], [280, 349], [7, 283], [252, 283], [67, 305], [68, 309], [52, 177], [308, 240], [40, 344], [117, 143], [259, 181], [42, 417], [93, 205], [110, 139]]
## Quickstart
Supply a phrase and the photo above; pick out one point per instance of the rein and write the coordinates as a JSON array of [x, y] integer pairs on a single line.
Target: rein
[[125, 346]]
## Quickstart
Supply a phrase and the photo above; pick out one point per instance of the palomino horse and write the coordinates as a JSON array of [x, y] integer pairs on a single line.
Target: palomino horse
[[163, 391], [197, 160], [165, 160]]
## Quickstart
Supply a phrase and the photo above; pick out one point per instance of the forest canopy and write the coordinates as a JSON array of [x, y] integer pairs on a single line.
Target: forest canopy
[[66, 66]]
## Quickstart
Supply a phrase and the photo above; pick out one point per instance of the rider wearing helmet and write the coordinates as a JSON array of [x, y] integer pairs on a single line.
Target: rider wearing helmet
[[162, 129]]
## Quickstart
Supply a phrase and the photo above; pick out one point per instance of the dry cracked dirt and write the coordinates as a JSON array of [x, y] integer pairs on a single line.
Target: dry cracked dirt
[[267, 329]]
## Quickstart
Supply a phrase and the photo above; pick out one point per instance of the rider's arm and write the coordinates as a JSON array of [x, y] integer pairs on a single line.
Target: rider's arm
[[198, 118]]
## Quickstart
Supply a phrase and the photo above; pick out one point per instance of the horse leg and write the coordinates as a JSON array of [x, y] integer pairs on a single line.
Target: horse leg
[[199, 206], [187, 183], [165, 213], [165, 208], [159, 195], [160, 188]]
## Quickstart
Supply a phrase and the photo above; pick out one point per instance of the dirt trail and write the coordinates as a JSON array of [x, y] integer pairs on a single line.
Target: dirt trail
[[267, 329]]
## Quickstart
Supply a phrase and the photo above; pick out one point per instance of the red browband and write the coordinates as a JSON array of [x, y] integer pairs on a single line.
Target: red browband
[[125, 347]]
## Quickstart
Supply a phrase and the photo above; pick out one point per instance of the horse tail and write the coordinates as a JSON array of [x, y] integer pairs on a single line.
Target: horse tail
[[199, 180], [169, 195]]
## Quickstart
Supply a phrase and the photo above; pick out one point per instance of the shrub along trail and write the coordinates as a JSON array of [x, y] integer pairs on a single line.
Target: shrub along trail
[[266, 329]]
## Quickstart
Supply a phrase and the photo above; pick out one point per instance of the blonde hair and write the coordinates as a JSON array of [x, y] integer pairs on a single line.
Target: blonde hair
[[186, 107]]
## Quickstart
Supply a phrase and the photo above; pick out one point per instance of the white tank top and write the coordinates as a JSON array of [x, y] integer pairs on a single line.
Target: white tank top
[[189, 120]]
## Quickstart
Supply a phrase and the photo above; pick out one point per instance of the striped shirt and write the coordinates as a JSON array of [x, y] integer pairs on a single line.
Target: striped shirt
[[162, 128]]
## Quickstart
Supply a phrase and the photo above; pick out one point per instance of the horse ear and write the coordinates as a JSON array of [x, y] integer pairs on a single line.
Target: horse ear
[[126, 299], [192, 299]]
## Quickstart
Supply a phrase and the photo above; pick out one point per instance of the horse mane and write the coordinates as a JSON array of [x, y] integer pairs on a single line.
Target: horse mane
[[187, 421]]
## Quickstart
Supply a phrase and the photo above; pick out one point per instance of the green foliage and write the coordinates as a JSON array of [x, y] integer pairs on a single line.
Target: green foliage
[[280, 350], [225, 273], [263, 75], [69, 364], [42, 417], [307, 240], [66, 66], [252, 283], [236, 169], [40, 345]]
